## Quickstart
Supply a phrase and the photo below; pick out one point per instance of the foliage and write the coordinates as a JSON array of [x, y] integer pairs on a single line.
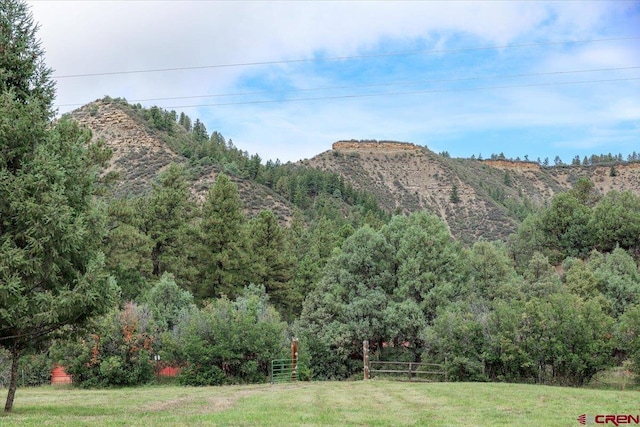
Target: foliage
[[117, 352], [272, 262], [454, 197], [616, 221], [223, 239], [128, 249], [491, 273], [166, 216], [167, 302], [577, 222], [381, 286], [229, 341], [51, 265], [457, 339], [560, 339], [565, 224], [35, 370], [628, 337]]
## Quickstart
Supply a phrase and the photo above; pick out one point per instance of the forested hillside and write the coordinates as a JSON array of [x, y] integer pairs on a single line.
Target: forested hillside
[[476, 198], [220, 258]]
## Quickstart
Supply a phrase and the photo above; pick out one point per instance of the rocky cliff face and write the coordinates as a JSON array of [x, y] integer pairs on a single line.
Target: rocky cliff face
[[138, 154], [475, 198], [374, 145]]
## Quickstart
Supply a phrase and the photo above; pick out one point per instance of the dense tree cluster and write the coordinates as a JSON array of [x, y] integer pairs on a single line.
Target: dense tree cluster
[[577, 222], [410, 286], [223, 342]]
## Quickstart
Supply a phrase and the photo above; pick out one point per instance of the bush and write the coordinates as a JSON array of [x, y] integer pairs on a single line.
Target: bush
[[202, 375], [117, 353], [35, 370], [628, 338], [230, 341]]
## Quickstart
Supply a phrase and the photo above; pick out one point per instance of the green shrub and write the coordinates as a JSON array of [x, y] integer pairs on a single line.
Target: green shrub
[[117, 353], [229, 342], [34, 370]]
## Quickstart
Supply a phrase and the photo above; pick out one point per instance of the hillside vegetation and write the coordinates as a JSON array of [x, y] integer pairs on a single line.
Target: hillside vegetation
[[501, 270], [475, 198]]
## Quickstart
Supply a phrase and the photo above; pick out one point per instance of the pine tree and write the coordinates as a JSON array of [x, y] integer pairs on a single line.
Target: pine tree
[[272, 261], [200, 131], [51, 269], [222, 234], [167, 219], [454, 197]]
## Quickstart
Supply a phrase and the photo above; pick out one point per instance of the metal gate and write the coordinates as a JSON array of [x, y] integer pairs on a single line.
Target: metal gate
[[283, 371], [286, 370]]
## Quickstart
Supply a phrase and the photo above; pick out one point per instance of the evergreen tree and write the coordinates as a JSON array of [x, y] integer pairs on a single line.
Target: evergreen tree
[[51, 268], [167, 219], [454, 197], [507, 179], [492, 275], [128, 249], [200, 131], [222, 235], [272, 262]]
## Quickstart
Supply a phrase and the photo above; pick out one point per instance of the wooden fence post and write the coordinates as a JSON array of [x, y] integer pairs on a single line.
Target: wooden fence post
[[365, 353], [446, 370], [294, 359]]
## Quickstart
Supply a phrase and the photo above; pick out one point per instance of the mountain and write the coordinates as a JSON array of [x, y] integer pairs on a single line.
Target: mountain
[[141, 152], [476, 198]]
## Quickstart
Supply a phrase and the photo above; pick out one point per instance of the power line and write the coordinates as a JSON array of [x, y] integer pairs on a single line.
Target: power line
[[401, 93], [340, 58], [371, 85]]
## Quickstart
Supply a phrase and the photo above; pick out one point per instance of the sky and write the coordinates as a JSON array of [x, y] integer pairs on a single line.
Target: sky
[[286, 79]]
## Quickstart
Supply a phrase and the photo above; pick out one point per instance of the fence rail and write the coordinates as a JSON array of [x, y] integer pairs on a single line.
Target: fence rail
[[410, 369]]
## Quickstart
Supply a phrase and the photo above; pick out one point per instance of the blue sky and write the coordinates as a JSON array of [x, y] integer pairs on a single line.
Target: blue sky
[[467, 77]]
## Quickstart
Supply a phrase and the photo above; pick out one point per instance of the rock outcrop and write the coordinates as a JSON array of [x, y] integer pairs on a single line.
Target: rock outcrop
[[354, 145]]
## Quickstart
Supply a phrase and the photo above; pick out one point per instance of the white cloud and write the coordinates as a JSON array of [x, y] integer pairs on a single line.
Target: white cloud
[[86, 37]]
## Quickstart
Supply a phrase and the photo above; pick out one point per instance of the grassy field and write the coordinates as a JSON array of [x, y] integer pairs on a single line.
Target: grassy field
[[357, 403]]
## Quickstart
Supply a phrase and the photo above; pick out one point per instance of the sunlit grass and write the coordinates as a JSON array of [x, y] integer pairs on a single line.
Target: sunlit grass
[[356, 403]]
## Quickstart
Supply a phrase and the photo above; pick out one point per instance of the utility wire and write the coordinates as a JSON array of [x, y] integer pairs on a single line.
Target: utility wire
[[340, 58], [371, 85], [401, 93]]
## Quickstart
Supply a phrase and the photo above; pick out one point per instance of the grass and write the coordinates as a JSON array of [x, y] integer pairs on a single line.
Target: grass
[[355, 403]]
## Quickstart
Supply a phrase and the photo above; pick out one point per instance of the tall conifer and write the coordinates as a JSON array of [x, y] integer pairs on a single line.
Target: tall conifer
[[51, 269]]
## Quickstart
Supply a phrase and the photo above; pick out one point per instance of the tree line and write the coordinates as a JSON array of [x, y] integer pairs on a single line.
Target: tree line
[[592, 160]]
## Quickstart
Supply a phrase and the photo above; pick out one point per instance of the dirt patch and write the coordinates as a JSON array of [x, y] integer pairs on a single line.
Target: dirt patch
[[168, 404], [201, 404], [220, 403]]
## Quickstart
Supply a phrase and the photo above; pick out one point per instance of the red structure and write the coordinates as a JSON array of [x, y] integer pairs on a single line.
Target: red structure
[[169, 371], [60, 376]]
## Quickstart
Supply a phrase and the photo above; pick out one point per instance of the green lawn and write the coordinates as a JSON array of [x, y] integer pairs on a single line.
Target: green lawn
[[357, 403]]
